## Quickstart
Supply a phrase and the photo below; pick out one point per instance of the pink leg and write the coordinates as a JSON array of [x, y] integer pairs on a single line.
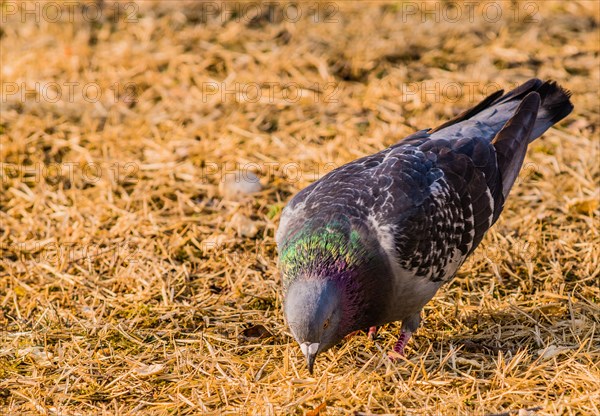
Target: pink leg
[[400, 344], [372, 332]]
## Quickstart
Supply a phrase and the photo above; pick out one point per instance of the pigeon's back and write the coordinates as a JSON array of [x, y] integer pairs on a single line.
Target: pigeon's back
[[430, 198]]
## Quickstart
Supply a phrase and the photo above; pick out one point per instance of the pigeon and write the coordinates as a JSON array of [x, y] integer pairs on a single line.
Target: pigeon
[[372, 241]]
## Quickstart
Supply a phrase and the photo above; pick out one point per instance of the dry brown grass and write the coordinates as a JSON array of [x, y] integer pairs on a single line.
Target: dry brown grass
[[137, 288]]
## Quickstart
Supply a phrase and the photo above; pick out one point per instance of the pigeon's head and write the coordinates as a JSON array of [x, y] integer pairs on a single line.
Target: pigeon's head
[[313, 311]]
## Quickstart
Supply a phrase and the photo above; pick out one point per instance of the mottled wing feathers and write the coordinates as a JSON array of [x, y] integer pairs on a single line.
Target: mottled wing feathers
[[439, 232]]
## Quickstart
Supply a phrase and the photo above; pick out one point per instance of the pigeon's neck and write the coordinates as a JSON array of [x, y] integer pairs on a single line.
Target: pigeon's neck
[[326, 250], [348, 258]]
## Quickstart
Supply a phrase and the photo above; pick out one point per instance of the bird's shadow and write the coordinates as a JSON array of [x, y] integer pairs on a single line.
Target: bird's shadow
[[481, 336]]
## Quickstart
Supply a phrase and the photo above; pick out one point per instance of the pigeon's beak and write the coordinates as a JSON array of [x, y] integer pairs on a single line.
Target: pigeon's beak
[[310, 352]]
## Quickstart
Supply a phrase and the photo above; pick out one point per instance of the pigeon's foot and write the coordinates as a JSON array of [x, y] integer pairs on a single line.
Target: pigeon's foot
[[402, 341], [372, 333], [398, 351]]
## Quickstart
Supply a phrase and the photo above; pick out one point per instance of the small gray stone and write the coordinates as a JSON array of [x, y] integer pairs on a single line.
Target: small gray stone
[[237, 185]]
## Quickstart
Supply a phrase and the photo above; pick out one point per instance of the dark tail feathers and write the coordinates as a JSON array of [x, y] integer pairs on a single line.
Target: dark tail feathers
[[511, 142], [540, 105], [555, 106], [496, 109], [555, 103]]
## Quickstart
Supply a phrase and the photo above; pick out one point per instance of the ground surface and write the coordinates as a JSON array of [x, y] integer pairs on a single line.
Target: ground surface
[[133, 282]]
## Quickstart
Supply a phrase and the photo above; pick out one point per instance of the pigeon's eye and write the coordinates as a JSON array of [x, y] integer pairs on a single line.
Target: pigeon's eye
[[326, 324]]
